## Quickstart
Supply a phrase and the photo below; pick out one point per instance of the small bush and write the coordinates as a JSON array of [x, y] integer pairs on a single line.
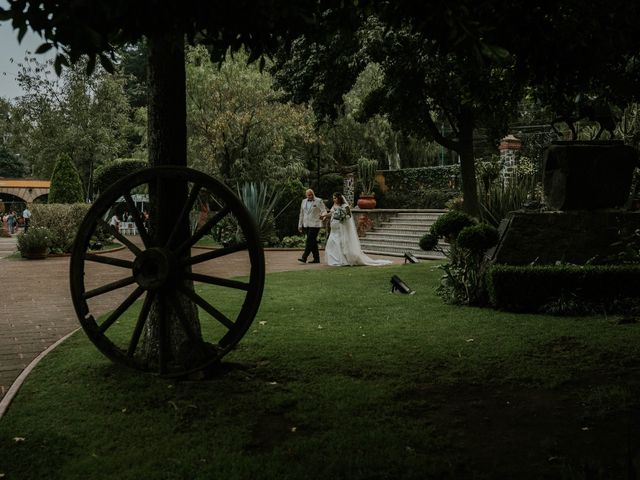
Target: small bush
[[294, 241], [478, 238], [62, 220], [428, 241], [451, 223], [34, 239]]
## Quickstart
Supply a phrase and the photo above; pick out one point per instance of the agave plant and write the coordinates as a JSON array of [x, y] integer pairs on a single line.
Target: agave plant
[[260, 200]]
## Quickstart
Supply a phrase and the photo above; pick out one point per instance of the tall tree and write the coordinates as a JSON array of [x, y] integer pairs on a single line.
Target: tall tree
[[91, 28], [238, 129], [467, 62], [85, 117]]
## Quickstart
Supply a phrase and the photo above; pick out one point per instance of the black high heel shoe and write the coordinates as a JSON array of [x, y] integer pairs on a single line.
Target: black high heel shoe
[[410, 257]]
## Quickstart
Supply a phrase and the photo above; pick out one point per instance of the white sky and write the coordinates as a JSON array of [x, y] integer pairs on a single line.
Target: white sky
[[11, 49]]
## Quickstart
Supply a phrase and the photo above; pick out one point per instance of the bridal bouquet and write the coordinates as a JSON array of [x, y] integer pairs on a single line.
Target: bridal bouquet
[[340, 214]]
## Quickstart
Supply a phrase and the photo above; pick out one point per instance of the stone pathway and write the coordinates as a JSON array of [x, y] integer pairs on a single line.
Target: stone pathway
[[7, 246], [36, 308]]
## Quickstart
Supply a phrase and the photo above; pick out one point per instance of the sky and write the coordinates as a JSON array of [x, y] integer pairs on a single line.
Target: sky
[[11, 49]]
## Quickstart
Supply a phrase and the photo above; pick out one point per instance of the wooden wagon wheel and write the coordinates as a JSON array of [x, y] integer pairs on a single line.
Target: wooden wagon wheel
[[153, 276]]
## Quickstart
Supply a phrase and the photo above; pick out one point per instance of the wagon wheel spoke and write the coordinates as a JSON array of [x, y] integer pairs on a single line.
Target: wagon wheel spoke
[[202, 231], [142, 318], [144, 235], [109, 287], [193, 196], [121, 309], [215, 254], [206, 306], [223, 282], [124, 240], [116, 262], [163, 336]]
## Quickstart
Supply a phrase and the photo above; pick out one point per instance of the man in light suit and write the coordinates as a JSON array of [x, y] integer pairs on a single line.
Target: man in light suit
[[309, 221]]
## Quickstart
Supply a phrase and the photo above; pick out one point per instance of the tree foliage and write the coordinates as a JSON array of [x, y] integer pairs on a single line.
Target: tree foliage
[[66, 186], [237, 127], [86, 117]]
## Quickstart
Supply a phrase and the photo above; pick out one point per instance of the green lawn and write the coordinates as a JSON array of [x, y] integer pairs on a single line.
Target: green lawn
[[340, 379]]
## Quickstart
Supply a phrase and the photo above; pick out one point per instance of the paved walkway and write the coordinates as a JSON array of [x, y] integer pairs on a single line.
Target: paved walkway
[[36, 308]]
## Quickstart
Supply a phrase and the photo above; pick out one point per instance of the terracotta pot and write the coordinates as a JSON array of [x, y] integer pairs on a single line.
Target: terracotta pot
[[39, 254], [366, 202]]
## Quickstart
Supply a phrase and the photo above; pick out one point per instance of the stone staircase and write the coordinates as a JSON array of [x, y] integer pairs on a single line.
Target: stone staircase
[[401, 234]]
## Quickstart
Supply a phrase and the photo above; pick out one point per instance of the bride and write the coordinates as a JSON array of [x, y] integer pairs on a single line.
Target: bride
[[343, 245]]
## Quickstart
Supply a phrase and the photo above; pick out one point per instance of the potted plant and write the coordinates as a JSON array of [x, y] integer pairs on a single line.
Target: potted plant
[[367, 175], [35, 243]]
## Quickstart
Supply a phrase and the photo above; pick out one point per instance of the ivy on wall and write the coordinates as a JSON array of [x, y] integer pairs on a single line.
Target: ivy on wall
[[411, 180]]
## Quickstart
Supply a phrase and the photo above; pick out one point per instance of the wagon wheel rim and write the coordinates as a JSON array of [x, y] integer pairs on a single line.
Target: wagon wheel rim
[[155, 276]]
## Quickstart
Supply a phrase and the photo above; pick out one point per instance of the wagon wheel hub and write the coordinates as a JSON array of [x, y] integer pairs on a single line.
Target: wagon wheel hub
[[153, 268]]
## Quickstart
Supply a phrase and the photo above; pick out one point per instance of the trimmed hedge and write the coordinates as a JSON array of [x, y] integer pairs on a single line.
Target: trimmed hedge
[[66, 186], [532, 287], [62, 220], [106, 175], [411, 180], [429, 198]]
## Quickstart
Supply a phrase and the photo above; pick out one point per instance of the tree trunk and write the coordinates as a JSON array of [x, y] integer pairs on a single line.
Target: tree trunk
[[167, 137], [467, 164]]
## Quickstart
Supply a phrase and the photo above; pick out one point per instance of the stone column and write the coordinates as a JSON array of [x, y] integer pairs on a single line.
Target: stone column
[[509, 147], [347, 189]]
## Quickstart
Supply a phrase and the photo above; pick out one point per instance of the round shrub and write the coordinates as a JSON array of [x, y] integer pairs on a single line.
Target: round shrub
[[451, 223], [428, 241], [108, 174], [478, 238]]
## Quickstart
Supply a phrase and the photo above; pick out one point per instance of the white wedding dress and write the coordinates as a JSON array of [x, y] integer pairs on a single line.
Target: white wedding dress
[[343, 246]]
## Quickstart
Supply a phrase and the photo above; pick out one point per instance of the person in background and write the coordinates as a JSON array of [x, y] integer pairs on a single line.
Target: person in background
[[26, 215], [309, 222]]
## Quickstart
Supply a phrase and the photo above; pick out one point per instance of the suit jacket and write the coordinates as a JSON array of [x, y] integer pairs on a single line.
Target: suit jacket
[[310, 213]]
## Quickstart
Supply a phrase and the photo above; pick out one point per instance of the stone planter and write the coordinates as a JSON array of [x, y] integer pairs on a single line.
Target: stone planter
[[588, 175], [36, 254], [367, 202]]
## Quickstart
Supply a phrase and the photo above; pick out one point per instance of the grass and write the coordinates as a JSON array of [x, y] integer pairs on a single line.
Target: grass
[[339, 379]]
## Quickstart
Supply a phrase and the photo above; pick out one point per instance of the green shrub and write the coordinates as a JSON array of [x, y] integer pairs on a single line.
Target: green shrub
[[409, 180], [534, 288], [66, 186], [430, 198], [477, 238], [294, 241], [107, 174], [451, 223], [499, 198], [62, 220], [428, 241], [34, 239], [464, 279]]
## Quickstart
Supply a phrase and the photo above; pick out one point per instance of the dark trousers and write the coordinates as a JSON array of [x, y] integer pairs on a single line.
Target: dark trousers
[[311, 244]]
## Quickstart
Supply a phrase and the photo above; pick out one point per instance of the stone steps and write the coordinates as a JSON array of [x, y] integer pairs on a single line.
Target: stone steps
[[401, 234]]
